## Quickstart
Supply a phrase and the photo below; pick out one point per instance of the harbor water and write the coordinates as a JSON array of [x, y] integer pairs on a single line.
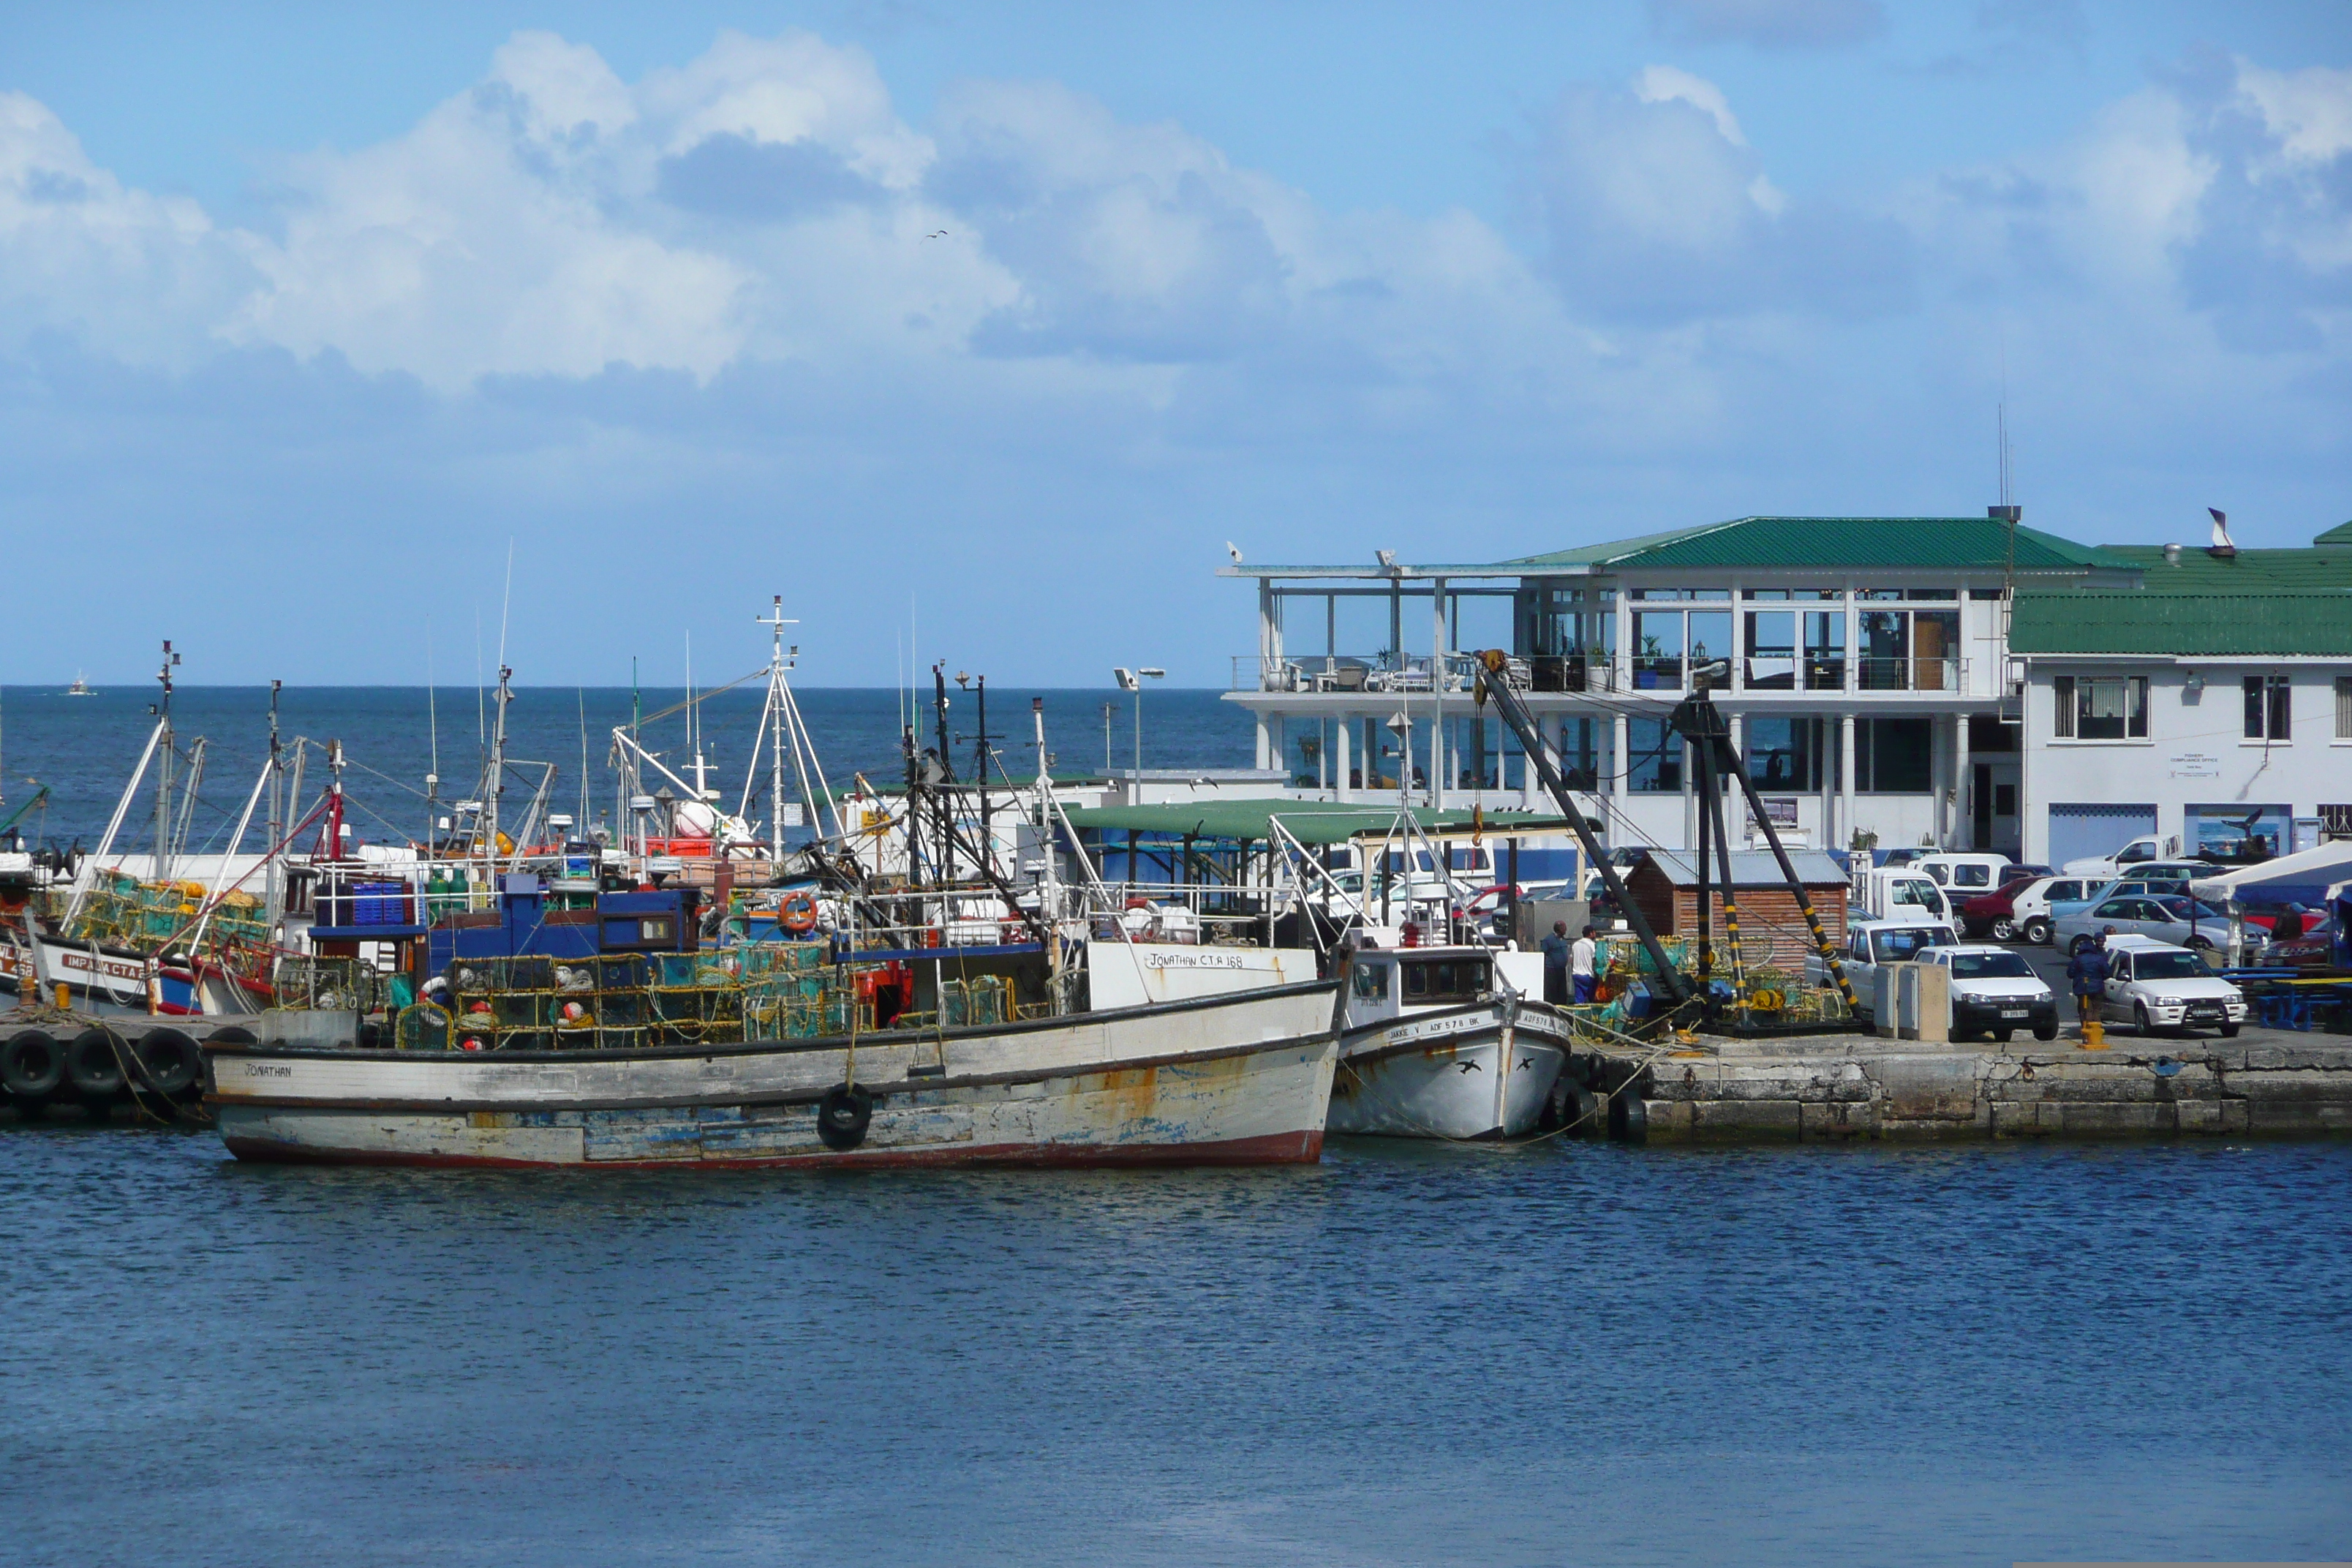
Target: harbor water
[[1409, 1354]]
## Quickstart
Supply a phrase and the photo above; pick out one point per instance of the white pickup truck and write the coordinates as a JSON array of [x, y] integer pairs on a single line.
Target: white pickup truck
[[1871, 942], [2138, 852]]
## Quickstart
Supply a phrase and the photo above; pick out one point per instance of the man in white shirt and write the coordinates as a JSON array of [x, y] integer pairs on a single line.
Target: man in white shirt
[[1580, 966]]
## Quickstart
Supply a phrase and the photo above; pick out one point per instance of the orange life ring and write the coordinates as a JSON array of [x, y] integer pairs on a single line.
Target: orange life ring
[[797, 913]]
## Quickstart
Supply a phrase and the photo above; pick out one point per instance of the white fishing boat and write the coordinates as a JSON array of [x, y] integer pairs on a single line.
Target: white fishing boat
[[1438, 1043], [79, 688], [1239, 1078]]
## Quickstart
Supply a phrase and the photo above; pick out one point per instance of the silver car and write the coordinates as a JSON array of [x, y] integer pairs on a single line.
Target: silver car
[[2173, 918]]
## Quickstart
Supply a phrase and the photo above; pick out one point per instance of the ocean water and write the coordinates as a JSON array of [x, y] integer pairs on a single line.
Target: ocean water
[[1563, 1354], [85, 748]]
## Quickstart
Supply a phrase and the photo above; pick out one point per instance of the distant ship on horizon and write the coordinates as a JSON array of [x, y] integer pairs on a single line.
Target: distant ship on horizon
[[79, 688]]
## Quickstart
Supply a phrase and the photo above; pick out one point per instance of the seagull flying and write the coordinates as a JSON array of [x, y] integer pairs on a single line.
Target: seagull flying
[[936, 234]]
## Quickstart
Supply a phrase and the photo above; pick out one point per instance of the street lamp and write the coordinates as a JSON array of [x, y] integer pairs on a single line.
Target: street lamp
[[1132, 680]]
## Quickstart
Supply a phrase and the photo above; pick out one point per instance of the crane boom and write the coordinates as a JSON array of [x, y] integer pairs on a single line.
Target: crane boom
[[1494, 684]]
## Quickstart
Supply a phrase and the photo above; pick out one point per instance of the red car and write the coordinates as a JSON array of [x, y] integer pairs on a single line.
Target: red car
[[1994, 914]]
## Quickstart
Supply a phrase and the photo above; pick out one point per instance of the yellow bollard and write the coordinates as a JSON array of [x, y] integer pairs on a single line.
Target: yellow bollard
[[64, 997], [2095, 1035]]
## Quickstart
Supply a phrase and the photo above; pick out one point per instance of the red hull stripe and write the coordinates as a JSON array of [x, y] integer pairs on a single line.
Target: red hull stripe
[[1273, 1149]]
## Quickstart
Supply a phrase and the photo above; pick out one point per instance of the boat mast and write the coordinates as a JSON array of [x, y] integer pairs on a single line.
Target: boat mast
[[273, 886], [1045, 815], [774, 730], [497, 769], [163, 769]]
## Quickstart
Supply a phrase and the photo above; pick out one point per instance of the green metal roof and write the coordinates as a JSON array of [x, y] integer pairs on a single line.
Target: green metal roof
[[2248, 571], [2338, 535], [1785, 543], [1309, 821], [2184, 624]]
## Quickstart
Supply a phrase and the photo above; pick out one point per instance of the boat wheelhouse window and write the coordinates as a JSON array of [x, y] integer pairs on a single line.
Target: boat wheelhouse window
[[1372, 981], [1445, 979]]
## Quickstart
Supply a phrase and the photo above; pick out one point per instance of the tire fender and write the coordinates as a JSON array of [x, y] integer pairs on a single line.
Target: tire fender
[[32, 1066], [92, 1067]]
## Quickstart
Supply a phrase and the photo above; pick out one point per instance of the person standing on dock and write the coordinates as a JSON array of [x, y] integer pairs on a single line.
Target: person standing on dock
[[2088, 971], [1556, 961], [1580, 967]]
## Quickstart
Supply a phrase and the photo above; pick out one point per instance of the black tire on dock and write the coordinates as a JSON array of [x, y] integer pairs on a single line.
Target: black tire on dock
[[1580, 1112], [169, 1060], [92, 1068], [32, 1067], [1629, 1119]]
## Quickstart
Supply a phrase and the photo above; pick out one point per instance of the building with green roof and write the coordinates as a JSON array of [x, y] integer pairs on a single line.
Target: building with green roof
[[1883, 675]]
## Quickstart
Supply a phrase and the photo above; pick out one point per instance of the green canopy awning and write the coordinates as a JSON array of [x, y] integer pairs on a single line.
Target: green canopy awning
[[1309, 821]]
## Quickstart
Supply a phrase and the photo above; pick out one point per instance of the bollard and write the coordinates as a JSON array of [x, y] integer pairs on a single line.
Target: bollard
[[64, 997], [2094, 1034]]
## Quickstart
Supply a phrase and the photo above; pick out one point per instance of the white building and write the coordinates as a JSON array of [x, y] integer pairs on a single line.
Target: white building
[[1866, 665], [2208, 703]]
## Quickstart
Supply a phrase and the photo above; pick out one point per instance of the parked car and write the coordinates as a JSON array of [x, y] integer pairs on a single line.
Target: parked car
[[1871, 942], [1995, 992], [2313, 947], [2032, 908], [2156, 985], [1994, 914], [2172, 919]]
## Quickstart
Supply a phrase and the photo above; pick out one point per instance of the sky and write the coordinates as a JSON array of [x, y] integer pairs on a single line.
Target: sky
[[987, 330]]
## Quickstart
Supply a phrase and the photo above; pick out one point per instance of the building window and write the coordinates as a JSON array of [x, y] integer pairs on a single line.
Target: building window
[[1904, 650], [1781, 752], [1891, 756], [2100, 708], [2335, 824], [2269, 708], [1654, 757], [2344, 707], [1661, 638]]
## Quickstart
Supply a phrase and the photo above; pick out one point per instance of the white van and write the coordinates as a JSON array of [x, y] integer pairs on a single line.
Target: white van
[[1966, 874], [2138, 852]]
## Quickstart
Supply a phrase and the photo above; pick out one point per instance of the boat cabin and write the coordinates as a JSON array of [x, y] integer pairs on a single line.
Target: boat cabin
[[1390, 983]]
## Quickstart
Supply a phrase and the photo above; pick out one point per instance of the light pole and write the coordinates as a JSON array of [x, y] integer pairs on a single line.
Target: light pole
[[1132, 680]]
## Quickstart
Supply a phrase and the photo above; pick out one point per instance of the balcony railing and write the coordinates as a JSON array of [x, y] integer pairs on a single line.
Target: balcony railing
[[1388, 672], [1910, 674], [1458, 672]]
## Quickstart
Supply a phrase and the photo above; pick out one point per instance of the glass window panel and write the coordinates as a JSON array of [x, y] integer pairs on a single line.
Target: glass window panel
[[1779, 752], [1771, 650], [1767, 592], [1710, 638], [1655, 759], [1825, 651], [1931, 593], [1658, 649], [1899, 756], [1886, 639]]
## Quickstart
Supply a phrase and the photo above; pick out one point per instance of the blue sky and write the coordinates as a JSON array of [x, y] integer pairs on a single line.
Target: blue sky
[[304, 317]]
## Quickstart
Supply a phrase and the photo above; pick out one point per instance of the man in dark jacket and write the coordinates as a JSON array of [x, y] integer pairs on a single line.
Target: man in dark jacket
[[2086, 973], [1556, 956]]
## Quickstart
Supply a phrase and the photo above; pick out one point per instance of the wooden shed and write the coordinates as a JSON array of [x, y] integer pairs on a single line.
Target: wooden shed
[[1664, 885]]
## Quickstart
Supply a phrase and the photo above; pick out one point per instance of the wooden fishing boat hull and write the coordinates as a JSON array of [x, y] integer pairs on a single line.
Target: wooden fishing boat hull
[[106, 975], [1240, 1079], [1482, 1071]]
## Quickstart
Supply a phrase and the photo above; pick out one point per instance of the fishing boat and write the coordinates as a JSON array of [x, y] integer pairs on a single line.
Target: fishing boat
[[1439, 1042], [79, 688], [949, 1010], [1243, 1079]]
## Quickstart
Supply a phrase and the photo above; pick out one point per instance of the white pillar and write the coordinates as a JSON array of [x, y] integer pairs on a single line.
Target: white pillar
[[1617, 771], [1845, 779], [1268, 741], [1342, 744], [1735, 805], [1547, 730], [1964, 819]]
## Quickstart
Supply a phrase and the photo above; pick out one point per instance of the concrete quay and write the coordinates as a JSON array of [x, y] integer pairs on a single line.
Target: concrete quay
[[1852, 1087]]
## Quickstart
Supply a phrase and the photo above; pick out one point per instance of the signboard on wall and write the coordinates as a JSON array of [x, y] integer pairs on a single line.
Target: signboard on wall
[[2235, 833], [2192, 765]]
